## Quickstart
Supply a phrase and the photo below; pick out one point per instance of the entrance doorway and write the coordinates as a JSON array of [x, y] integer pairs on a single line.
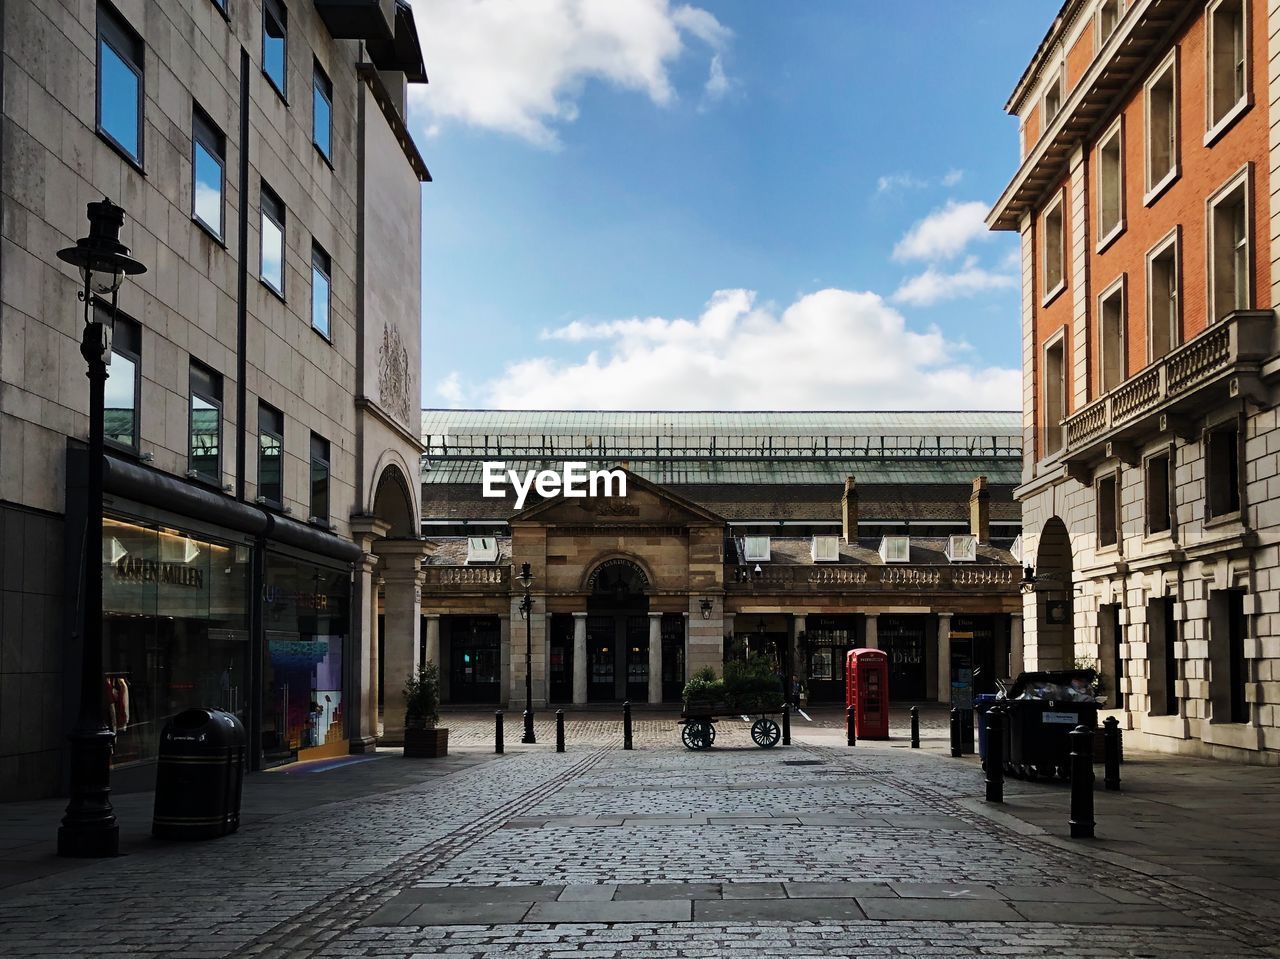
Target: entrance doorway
[[618, 633], [475, 659], [560, 678], [902, 639]]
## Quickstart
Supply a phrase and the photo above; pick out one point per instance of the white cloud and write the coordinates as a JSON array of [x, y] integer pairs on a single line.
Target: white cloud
[[717, 83], [450, 389], [952, 177], [519, 67], [898, 182], [833, 349], [934, 286], [944, 233]]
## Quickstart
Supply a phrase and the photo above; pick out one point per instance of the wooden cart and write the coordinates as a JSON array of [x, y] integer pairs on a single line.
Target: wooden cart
[[699, 722]]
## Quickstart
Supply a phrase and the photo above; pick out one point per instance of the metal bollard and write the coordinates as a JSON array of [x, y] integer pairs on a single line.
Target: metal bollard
[[851, 734], [626, 725], [955, 733], [559, 730], [1111, 753], [995, 755], [786, 724], [915, 727], [497, 731], [1081, 782]]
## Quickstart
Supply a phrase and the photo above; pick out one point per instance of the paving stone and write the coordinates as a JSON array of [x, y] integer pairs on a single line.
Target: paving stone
[[467, 894], [944, 890], [466, 913], [1052, 893], [789, 910], [946, 910], [667, 890], [752, 890], [680, 910], [837, 890], [588, 893], [1102, 914]]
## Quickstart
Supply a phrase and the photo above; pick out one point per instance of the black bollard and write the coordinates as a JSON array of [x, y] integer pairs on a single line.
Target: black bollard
[[955, 733], [995, 755], [915, 727], [497, 731], [1081, 782], [626, 725], [786, 724], [1111, 753], [851, 733]]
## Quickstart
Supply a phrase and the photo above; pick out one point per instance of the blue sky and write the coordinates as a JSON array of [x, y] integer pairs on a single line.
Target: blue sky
[[738, 204]]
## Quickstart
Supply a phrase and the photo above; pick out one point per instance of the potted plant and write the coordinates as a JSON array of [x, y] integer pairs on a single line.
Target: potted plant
[[423, 739]]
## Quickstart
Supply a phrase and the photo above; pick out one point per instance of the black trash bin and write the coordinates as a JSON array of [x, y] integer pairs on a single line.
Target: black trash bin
[[199, 775], [1042, 708]]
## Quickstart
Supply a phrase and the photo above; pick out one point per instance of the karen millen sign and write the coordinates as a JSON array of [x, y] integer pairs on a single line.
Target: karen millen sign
[[135, 569]]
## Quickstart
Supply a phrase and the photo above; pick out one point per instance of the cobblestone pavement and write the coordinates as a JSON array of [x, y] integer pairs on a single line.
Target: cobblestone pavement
[[806, 851]]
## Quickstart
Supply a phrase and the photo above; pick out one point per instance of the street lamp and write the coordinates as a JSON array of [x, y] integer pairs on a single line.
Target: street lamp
[[706, 606], [89, 828], [526, 613]]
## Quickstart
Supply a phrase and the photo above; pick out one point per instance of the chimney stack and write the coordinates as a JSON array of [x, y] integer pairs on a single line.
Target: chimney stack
[[980, 510], [849, 511]]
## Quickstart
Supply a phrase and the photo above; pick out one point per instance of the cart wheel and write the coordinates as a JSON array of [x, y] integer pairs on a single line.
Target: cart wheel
[[689, 736], [710, 730], [765, 733]]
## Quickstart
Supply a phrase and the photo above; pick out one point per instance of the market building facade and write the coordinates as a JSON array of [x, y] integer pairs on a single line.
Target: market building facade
[[261, 404], [793, 535], [1143, 200]]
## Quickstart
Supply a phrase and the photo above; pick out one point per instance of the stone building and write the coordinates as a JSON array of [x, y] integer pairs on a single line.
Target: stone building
[[793, 535], [263, 383], [1143, 198]]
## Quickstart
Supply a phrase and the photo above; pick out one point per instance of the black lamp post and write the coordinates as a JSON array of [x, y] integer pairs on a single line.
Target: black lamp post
[[89, 828], [526, 611]]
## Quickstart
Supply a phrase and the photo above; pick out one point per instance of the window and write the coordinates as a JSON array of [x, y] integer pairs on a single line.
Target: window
[[1156, 483], [320, 267], [270, 455], [205, 425], [1053, 228], [962, 548], [825, 549], [1109, 13], [482, 549], [1228, 67], [1229, 255], [1110, 185], [1055, 396], [1108, 510], [1222, 471], [1162, 637], [208, 160], [1164, 303], [1162, 126], [1111, 338], [895, 549], [1110, 649], [124, 381], [1237, 667], [1052, 98], [322, 113], [275, 43], [272, 240], [319, 480], [120, 96], [755, 548]]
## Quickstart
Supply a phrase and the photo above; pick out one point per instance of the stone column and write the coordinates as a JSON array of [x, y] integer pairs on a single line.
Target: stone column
[[1015, 645], [798, 666], [655, 657], [944, 658], [705, 637], [872, 638], [525, 636], [579, 658], [402, 619], [363, 657], [504, 657], [433, 638]]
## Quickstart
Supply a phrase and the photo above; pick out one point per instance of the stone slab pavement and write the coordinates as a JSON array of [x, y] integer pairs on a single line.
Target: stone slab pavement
[[816, 849]]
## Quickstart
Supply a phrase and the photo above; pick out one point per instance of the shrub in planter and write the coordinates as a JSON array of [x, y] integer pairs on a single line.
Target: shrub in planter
[[422, 738], [704, 689], [753, 685]]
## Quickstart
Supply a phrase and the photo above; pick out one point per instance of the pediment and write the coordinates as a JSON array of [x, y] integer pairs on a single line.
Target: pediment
[[646, 504]]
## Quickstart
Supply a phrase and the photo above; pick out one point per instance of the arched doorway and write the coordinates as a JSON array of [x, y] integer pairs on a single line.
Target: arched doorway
[[617, 632], [1054, 646]]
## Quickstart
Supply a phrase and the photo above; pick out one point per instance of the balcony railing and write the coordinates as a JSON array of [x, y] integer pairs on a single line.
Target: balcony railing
[[1223, 362], [497, 578], [894, 578]]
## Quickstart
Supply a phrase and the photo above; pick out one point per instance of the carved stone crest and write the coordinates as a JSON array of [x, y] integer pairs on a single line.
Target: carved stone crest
[[395, 379]]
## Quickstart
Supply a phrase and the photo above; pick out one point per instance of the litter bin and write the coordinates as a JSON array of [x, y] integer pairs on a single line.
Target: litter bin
[[199, 775], [1043, 707], [981, 703]]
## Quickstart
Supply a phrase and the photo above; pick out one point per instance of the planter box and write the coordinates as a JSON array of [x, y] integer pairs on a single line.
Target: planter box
[[426, 743]]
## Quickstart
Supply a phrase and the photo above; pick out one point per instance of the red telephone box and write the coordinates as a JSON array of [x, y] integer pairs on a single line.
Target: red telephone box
[[866, 688]]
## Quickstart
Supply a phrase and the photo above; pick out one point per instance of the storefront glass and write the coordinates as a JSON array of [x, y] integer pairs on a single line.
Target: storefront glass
[[175, 630], [306, 612]]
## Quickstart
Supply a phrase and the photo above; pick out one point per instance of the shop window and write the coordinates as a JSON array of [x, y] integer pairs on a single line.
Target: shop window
[[120, 92], [1109, 13], [1111, 337], [1222, 471], [1053, 226], [205, 425], [1052, 98], [1108, 510], [275, 44], [322, 112], [1229, 254], [208, 178], [1162, 125], [321, 268], [1162, 637], [1055, 396], [272, 240], [1156, 483], [1164, 300], [319, 480], [270, 455], [122, 396], [1110, 185], [1228, 61]]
